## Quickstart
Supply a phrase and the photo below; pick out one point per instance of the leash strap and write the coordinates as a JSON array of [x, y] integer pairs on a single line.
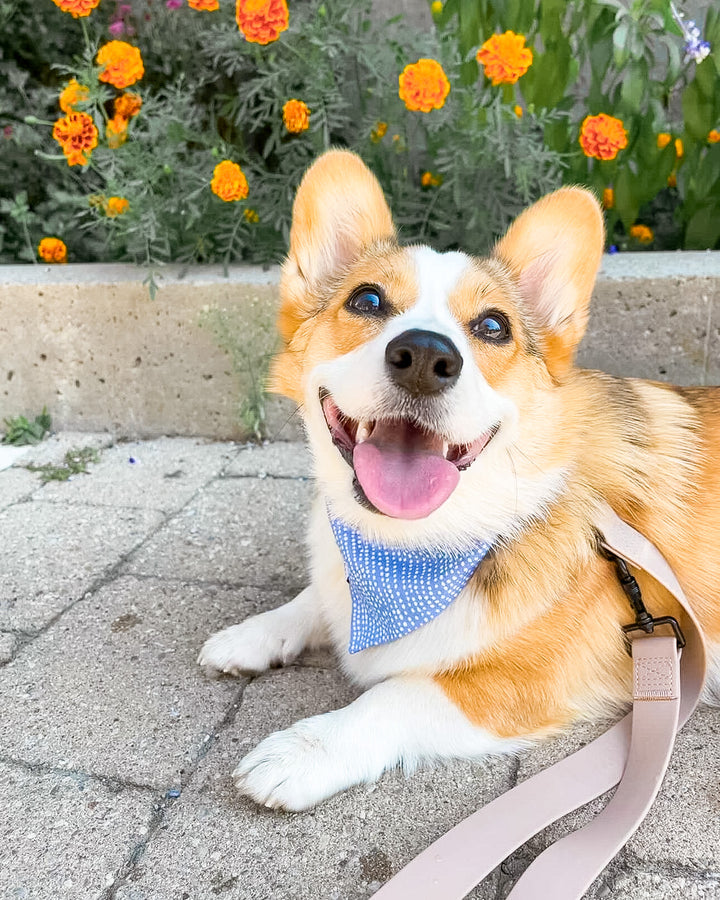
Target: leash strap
[[634, 752]]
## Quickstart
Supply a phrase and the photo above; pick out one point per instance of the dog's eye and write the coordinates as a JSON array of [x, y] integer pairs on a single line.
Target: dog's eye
[[492, 327], [366, 301]]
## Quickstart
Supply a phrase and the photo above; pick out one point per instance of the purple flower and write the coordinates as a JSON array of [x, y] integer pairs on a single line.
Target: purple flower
[[695, 47], [117, 28], [125, 9], [173, 4], [612, 249]]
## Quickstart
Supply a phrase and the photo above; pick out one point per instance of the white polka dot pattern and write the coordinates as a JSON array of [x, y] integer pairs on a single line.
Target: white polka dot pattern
[[396, 590]]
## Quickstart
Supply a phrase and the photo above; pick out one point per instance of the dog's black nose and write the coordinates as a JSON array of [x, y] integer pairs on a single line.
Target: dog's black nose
[[423, 362]]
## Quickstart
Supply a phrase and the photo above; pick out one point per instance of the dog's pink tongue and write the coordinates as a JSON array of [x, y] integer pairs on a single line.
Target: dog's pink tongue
[[403, 471]]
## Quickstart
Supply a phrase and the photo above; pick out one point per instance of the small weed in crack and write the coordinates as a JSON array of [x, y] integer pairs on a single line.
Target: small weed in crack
[[76, 463]]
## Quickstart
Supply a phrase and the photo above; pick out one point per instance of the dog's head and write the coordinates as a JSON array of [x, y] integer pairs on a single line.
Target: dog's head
[[432, 383]]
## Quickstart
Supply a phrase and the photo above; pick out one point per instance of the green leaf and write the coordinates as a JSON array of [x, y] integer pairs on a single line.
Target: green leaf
[[698, 111], [627, 203], [702, 232]]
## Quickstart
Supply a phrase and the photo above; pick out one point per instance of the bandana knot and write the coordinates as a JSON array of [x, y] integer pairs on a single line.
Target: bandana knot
[[396, 590]]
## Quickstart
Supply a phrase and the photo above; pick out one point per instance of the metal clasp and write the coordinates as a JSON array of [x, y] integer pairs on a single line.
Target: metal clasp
[[643, 620]]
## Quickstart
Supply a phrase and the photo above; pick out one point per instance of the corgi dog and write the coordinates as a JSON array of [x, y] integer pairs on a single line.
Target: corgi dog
[[459, 457]]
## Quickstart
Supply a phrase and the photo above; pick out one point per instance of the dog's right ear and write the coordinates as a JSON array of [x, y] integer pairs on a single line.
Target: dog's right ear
[[339, 210]]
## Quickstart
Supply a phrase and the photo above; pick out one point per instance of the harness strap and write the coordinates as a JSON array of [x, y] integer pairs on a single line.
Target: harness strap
[[634, 752]]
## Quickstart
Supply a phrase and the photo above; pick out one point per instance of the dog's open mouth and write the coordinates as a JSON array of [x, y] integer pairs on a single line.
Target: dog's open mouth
[[404, 471]]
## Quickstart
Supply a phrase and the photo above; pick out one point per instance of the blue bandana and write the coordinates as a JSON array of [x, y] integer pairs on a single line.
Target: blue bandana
[[395, 590]]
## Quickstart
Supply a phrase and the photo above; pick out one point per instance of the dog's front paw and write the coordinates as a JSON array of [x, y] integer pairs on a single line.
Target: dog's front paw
[[251, 646], [292, 769]]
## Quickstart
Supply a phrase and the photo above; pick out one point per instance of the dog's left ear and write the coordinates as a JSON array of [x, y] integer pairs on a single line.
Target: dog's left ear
[[554, 250]]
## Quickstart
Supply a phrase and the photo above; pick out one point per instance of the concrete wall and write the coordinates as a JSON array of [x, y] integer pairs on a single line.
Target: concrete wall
[[88, 342]]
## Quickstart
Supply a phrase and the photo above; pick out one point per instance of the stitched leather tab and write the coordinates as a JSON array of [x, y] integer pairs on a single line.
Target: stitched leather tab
[[654, 674]]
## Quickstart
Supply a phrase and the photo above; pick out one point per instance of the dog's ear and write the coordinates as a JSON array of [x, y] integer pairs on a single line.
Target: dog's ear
[[339, 210], [554, 250]]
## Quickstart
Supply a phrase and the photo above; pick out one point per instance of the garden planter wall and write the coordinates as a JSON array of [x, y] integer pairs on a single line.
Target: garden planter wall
[[89, 343]]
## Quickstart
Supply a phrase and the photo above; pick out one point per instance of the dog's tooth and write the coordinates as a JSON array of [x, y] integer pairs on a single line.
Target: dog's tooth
[[363, 433]]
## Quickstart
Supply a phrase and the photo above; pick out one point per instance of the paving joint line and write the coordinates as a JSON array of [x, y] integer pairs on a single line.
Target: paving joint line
[[111, 574], [161, 808], [109, 781]]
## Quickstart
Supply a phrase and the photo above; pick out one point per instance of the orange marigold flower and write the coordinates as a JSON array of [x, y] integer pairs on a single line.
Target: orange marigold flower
[[505, 58], [209, 5], [229, 181], [122, 64], [296, 116], [77, 8], [679, 149], [52, 250], [602, 136], [261, 21], [642, 234], [714, 136], [429, 180], [378, 132], [663, 139], [672, 180], [608, 198], [116, 131], [251, 216], [77, 135], [72, 93], [127, 105], [518, 110], [116, 206], [423, 85]]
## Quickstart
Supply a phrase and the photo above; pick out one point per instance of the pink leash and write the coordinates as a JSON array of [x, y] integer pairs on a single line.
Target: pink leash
[[633, 754]]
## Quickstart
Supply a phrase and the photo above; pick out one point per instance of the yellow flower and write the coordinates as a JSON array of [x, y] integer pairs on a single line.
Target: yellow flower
[[52, 250], [608, 198], [642, 234], [73, 93], [261, 21], [77, 8], [423, 85], [518, 110], [116, 131], [378, 132], [714, 136], [436, 7], [229, 182], [602, 136], [209, 5], [505, 58], [251, 216], [679, 149], [77, 135], [296, 116], [116, 206], [663, 139], [122, 64]]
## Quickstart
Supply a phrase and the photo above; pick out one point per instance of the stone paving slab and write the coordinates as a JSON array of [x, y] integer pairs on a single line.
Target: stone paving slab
[[280, 460], [247, 531], [345, 848], [161, 474], [16, 484], [51, 451], [113, 689], [65, 836], [51, 553]]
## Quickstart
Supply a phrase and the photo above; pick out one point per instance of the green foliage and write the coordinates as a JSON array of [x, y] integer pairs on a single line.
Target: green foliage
[[209, 95], [21, 431], [76, 463]]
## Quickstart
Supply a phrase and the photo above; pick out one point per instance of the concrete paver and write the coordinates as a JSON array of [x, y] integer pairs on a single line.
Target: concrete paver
[[65, 835], [51, 553], [113, 687], [236, 531], [111, 583]]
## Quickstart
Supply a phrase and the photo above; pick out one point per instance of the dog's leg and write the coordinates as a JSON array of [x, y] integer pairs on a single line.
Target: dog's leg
[[402, 721], [272, 638]]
